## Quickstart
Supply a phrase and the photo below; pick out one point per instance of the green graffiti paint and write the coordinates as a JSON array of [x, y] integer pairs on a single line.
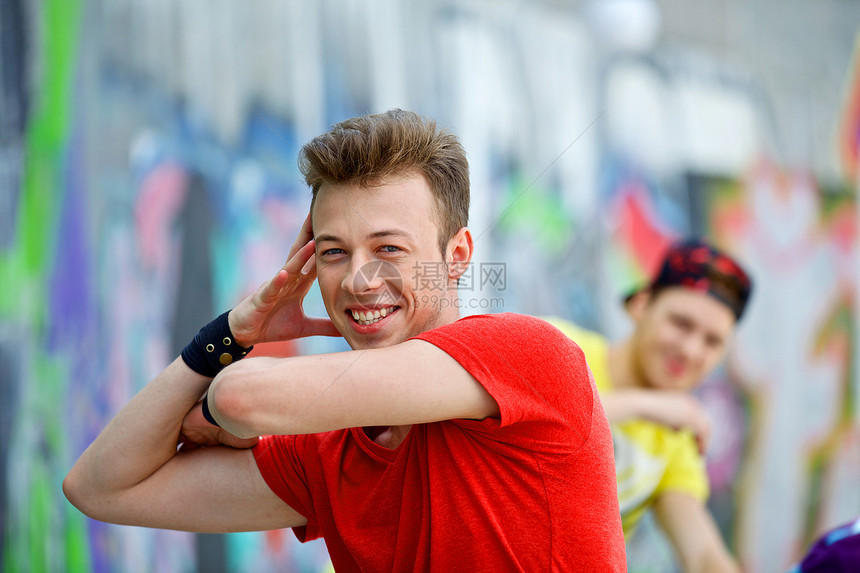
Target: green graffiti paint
[[47, 134], [40, 535], [538, 212], [77, 557]]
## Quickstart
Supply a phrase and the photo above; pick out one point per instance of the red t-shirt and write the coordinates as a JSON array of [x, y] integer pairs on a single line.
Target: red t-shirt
[[532, 491]]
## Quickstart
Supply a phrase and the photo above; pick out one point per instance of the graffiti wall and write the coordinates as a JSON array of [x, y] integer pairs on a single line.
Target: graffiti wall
[[148, 181]]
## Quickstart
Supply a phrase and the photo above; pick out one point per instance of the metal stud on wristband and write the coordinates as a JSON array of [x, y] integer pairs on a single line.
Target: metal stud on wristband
[[213, 348]]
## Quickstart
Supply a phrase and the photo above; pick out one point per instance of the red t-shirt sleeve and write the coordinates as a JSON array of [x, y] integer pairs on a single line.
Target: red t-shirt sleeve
[[537, 375], [279, 459]]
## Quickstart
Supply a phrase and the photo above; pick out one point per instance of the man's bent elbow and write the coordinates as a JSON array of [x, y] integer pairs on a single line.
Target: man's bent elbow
[[70, 490], [75, 491], [89, 498], [231, 402]]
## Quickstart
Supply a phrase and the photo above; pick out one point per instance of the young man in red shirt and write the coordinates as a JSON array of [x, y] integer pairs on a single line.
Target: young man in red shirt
[[437, 444]]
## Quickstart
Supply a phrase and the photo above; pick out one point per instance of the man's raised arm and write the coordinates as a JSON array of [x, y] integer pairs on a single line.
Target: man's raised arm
[[413, 382], [133, 473]]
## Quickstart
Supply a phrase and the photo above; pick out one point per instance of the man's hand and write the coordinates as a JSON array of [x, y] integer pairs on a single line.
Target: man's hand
[[274, 312], [678, 410], [197, 431]]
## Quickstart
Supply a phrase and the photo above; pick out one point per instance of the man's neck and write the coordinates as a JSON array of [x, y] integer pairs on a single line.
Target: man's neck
[[388, 437], [621, 370]]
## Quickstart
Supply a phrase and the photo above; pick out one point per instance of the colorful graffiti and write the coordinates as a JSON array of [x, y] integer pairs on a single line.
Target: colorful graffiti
[[795, 362], [154, 194]]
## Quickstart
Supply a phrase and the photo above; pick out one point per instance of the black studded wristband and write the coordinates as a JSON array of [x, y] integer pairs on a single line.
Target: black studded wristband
[[213, 348], [206, 413]]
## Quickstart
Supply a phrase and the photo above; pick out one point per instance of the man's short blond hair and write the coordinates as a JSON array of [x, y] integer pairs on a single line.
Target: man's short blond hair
[[369, 149]]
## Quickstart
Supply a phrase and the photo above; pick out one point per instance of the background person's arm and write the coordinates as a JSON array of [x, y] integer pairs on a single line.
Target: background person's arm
[[678, 410], [693, 533]]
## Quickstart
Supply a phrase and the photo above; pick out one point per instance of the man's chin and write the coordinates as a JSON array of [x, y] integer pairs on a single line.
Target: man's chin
[[679, 384], [367, 342], [669, 383]]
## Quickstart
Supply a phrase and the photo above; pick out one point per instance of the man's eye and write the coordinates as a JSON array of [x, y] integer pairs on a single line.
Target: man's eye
[[390, 249], [329, 252]]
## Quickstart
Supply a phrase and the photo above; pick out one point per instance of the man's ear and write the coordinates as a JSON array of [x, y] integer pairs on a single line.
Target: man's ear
[[637, 303], [458, 253]]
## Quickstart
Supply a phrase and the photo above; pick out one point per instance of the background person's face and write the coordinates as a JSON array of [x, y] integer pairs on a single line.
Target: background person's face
[[378, 262], [679, 338]]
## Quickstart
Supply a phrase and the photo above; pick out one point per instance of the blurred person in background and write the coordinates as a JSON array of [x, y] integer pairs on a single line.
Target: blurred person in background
[[436, 444], [683, 322]]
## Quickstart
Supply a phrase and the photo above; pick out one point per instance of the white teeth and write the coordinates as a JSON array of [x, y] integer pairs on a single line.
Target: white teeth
[[366, 318]]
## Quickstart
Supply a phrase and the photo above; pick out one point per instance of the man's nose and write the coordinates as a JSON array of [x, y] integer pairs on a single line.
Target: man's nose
[[362, 275], [693, 348]]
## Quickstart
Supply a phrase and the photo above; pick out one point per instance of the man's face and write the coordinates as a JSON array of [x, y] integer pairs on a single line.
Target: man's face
[[371, 243], [680, 337]]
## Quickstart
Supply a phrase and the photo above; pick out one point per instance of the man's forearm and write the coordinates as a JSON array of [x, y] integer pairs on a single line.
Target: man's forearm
[[693, 533], [413, 382], [622, 405], [717, 561], [138, 441]]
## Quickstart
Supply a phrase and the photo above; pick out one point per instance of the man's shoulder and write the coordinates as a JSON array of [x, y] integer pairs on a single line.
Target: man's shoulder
[[509, 318], [506, 327], [507, 340], [594, 345], [507, 323], [582, 336]]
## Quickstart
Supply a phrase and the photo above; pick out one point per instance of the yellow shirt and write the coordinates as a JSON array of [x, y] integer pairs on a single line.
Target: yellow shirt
[[650, 458]]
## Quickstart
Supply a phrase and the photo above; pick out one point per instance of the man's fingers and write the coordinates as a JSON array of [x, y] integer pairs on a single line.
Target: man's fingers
[[706, 437], [702, 431], [228, 439], [271, 289], [310, 266], [185, 444], [700, 444], [305, 234], [321, 327], [299, 266], [298, 260]]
